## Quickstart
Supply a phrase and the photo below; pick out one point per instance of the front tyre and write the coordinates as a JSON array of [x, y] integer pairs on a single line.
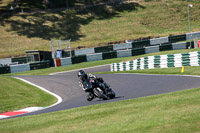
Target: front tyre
[[90, 97]]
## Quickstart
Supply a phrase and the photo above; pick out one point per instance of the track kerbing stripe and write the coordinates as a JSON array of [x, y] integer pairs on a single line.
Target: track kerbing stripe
[[30, 109]]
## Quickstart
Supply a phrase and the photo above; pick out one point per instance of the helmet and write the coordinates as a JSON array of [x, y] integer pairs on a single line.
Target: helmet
[[82, 75]]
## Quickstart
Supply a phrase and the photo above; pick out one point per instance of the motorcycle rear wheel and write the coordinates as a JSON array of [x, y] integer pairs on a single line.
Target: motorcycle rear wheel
[[111, 93]]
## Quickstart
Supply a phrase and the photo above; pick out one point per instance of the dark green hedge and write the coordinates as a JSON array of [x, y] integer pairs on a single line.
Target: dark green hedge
[[40, 65], [4, 70], [188, 44], [109, 55], [142, 43], [177, 38], [165, 47], [79, 59], [103, 49], [20, 60], [138, 51]]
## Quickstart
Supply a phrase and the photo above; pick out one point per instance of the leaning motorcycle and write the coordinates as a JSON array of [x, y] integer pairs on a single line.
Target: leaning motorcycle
[[98, 89]]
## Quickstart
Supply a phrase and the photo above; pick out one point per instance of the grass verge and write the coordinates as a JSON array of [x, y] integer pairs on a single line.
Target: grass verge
[[16, 94], [95, 26], [162, 113]]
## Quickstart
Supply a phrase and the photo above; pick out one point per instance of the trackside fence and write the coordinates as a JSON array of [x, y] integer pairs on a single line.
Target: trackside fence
[[160, 61], [24, 67]]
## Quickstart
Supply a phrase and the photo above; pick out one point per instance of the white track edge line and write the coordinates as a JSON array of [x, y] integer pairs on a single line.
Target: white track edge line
[[55, 95]]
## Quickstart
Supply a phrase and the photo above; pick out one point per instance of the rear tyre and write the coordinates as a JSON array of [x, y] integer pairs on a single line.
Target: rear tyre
[[111, 94]]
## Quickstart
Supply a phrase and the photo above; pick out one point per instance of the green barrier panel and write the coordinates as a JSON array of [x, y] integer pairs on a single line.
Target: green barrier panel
[[79, 59], [170, 64], [39, 65], [73, 53], [20, 60], [138, 51], [165, 47], [177, 38], [4, 70], [103, 49], [109, 55], [188, 45], [67, 53], [142, 43]]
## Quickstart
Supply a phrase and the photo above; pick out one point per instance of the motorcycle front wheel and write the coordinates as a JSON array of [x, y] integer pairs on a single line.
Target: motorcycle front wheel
[[90, 97]]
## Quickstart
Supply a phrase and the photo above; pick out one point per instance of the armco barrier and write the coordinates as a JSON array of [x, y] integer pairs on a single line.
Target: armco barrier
[[84, 51], [65, 54], [124, 53], [190, 44], [79, 59], [103, 49], [66, 61], [177, 38], [176, 46], [152, 49], [119, 54], [4, 70], [165, 47], [94, 57], [138, 51], [6, 61], [20, 60], [136, 44], [160, 61], [19, 68], [122, 46], [193, 35], [161, 40], [115, 51], [109, 55], [142, 43], [39, 65]]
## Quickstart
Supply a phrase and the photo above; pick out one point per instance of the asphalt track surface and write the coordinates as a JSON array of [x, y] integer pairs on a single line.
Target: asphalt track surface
[[126, 86]]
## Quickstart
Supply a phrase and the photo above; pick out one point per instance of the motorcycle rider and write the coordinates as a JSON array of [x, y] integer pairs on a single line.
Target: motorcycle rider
[[83, 76]]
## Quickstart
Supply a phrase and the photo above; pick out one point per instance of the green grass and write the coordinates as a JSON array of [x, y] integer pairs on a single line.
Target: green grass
[[96, 26], [16, 94], [161, 113], [174, 112]]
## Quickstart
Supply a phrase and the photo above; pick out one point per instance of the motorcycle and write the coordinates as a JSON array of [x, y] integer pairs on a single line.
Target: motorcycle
[[98, 89]]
